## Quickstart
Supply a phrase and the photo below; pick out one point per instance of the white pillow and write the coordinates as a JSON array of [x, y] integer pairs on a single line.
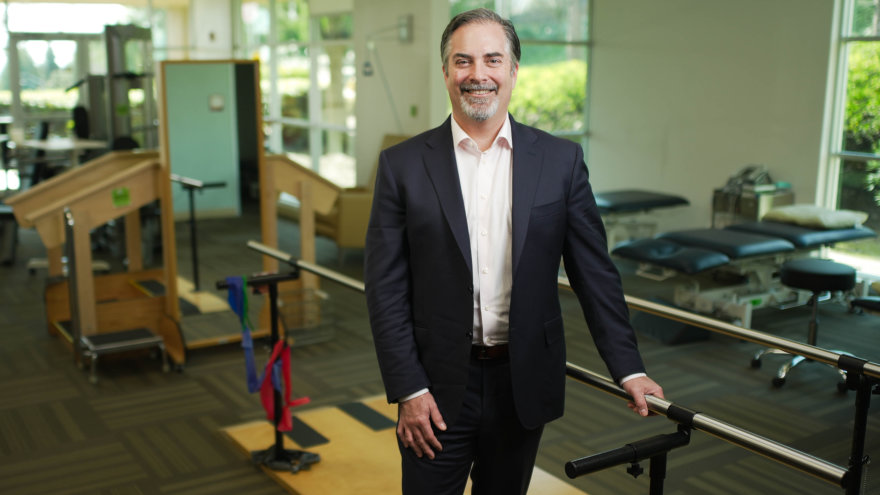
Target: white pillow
[[813, 216]]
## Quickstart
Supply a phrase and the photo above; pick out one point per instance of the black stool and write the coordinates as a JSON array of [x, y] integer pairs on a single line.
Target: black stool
[[817, 276]]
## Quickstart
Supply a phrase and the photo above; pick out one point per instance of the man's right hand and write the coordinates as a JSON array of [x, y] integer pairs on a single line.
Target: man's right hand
[[414, 425]]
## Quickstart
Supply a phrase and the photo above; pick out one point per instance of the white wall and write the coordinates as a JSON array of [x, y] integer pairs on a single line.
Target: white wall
[[211, 29], [177, 33], [685, 92], [412, 71]]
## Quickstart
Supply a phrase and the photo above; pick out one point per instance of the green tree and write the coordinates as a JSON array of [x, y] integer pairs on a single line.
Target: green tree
[[28, 71], [49, 66], [551, 96], [293, 23], [862, 120], [862, 124]]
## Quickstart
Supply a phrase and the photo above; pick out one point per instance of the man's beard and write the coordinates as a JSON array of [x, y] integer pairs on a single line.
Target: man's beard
[[478, 111]]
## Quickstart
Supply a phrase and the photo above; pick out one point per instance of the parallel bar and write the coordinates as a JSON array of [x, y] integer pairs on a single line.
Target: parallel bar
[[742, 333], [337, 277], [771, 449]]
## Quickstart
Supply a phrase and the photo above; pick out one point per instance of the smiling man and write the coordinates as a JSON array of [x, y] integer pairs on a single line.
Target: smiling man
[[469, 223]]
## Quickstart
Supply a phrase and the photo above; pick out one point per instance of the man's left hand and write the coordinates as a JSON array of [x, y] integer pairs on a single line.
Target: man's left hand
[[638, 388]]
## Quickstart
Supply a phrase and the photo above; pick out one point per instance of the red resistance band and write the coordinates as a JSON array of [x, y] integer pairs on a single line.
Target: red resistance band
[[267, 396]]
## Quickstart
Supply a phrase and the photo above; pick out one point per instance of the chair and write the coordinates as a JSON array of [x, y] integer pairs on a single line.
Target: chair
[[347, 222], [818, 276], [8, 235], [81, 122], [41, 170], [124, 143]]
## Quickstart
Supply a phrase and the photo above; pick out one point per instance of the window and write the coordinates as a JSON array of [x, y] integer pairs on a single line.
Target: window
[[551, 88], [854, 171], [54, 46], [53, 57], [308, 83]]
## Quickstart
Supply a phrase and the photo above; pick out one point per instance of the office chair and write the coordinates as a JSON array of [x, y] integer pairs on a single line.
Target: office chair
[[124, 143]]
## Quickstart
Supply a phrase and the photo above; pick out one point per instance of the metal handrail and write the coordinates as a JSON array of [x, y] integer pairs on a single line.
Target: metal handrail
[[771, 449], [337, 277], [741, 333], [735, 435]]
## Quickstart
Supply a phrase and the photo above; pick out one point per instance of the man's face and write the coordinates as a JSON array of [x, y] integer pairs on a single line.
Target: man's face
[[480, 73]]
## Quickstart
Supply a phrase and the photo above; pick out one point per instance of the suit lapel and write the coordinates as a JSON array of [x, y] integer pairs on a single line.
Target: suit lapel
[[441, 167], [527, 164]]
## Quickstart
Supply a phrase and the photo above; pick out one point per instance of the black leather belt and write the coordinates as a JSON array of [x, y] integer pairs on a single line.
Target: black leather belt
[[484, 352]]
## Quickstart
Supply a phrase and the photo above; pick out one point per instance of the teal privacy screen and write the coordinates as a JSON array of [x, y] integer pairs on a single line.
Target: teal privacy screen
[[203, 135]]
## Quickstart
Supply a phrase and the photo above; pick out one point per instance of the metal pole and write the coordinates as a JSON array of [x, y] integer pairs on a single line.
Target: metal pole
[[776, 451], [737, 332], [771, 449], [337, 277], [192, 237], [657, 474], [857, 458], [276, 392]]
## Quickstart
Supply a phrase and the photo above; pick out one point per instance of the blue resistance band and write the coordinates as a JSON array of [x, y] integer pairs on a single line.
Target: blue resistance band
[[238, 301]]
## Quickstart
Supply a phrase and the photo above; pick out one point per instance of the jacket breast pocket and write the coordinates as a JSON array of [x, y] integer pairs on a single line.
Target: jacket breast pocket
[[547, 209]]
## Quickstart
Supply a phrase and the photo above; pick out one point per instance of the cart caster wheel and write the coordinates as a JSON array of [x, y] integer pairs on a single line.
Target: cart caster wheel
[[778, 382], [178, 368], [756, 363]]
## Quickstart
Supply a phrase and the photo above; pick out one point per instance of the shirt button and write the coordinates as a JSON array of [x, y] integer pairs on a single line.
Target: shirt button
[[482, 196], [485, 308], [485, 271], [484, 233]]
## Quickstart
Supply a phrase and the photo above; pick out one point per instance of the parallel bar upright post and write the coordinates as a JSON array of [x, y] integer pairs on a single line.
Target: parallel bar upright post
[[276, 393], [192, 237], [857, 459]]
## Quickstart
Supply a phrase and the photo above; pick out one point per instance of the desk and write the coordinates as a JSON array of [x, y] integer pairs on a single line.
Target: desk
[[73, 146]]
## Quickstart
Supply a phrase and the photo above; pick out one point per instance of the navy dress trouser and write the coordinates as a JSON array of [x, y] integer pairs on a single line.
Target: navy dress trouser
[[486, 441]]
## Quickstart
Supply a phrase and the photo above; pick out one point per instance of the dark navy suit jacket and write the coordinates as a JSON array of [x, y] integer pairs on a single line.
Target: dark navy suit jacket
[[418, 273]]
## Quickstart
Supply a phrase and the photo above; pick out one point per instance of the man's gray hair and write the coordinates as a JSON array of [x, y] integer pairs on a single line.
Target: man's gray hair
[[484, 16]]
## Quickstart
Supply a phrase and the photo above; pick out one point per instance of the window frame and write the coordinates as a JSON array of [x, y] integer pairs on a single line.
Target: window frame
[[314, 124], [841, 29]]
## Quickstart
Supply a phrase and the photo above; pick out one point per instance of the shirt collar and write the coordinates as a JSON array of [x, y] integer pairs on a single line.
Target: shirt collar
[[504, 135]]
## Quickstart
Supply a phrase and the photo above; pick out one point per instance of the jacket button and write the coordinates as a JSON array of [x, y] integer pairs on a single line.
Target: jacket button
[[471, 289], [470, 334]]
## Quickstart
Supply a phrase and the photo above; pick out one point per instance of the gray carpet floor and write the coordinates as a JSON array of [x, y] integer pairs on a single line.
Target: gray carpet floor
[[142, 431]]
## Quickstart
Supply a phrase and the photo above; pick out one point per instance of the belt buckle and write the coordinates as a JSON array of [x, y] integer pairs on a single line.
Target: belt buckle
[[483, 352]]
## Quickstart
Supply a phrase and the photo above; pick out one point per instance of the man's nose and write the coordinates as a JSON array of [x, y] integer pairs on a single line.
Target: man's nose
[[479, 72]]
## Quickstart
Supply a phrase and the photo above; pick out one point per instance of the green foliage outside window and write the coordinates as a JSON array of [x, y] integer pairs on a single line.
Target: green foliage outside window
[[863, 99], [862, 120], [552, 96]]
